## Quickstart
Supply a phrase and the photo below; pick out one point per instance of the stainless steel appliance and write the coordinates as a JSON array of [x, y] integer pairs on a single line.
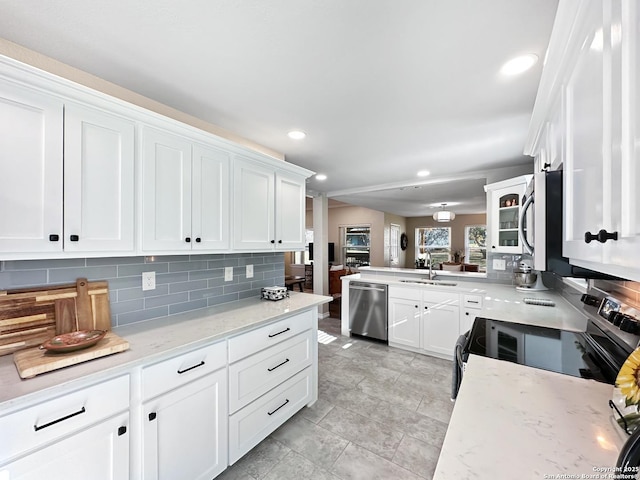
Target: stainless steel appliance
[[597, 353], [368, 310], [540, 226]]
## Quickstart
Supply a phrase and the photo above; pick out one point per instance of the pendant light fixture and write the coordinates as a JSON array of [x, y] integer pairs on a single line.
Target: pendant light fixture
[[443, 215]]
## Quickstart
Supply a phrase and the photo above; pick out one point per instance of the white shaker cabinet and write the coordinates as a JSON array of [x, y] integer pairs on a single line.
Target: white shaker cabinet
[[405, 318], [79, 435], [185, 194], [100, 452], [31, 171], [99, 156], [184, 415], [269, 207], [424, 321]]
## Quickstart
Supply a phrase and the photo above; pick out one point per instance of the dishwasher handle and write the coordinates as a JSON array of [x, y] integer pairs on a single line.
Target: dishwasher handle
[[358, 287]]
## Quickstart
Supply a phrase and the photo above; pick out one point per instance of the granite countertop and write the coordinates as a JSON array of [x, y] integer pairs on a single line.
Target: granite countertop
[[152, 340], [423, 271], [512, 421]]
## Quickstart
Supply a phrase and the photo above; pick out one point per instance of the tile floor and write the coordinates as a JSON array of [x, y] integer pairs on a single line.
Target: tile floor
[[381, 413]]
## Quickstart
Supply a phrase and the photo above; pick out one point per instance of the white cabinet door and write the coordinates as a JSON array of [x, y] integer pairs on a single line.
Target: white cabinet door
[[100, 452], [441, 328], [185, 431], [30, 171], [254, 206], [98, 181], [210, 199], [405, 318], [588, 161], [290, 212], [166, 191], [467, 317]]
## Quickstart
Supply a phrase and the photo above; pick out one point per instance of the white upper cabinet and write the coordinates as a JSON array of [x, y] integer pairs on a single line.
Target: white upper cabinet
[[30, 171], [269, 207], [592, 72], [504, 201], [185, 203], [99, 158]]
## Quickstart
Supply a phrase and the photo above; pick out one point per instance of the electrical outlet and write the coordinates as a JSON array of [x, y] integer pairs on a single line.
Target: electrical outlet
[[499, 264], [249, 272], [148, 280], [228, 274]]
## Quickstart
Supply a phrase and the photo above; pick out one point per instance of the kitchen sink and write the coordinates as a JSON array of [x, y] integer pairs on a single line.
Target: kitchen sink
[[431, 282]]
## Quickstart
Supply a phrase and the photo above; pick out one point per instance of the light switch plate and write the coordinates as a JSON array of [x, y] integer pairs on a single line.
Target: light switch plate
[[148, 280], [499, 264], [228, 274], [249, 271]]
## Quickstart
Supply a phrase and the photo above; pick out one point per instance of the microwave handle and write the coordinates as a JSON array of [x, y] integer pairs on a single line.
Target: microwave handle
[[527, 204]]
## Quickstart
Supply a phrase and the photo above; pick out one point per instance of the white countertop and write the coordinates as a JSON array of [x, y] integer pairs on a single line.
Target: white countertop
[[512, 421], [422, 272], [153, 339], [500, 302]]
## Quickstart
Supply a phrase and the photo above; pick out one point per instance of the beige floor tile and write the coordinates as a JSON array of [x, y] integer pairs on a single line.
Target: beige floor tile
[[357, 463]]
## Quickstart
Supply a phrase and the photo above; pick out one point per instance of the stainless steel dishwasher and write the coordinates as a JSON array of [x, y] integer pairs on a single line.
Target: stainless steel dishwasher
[[368, 310]]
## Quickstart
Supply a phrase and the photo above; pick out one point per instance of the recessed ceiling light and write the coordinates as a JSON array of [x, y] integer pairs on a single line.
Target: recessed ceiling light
[[423, 173], [297, 134], [519, 64], [321, 176]]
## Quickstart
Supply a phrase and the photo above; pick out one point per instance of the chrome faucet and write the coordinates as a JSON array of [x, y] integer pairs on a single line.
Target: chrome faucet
[[430, 266]]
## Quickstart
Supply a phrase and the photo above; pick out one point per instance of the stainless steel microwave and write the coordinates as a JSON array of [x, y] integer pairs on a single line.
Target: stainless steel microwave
[[541, 227]]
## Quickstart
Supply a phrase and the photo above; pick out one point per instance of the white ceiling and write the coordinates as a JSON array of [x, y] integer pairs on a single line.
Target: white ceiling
[[383, 88]]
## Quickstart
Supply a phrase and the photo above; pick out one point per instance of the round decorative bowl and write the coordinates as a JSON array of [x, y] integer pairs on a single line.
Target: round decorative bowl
[[70, 342]]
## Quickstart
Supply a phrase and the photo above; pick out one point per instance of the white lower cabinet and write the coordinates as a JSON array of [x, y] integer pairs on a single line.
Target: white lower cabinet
[[256, 421], [184, 415], [185, 431], [424, 321], [100, 452], [82, 434]]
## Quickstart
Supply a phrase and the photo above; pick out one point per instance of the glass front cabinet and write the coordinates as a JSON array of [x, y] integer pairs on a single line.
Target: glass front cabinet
[[504, 201]]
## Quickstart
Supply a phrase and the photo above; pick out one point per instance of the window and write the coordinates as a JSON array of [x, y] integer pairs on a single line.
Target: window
[[394, 243], [475, 245], [435, 239]]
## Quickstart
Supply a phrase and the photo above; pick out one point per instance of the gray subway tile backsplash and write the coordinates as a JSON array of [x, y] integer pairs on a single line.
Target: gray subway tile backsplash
[[183, 282]]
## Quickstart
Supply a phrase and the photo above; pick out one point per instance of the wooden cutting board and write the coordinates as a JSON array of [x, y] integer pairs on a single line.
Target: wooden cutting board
[[34, 361], [28, 316]]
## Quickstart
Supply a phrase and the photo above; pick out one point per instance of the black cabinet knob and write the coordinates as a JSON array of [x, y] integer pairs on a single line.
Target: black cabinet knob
[[198, 239], [545, 166], [54, 238], [188, 239], [493, 246], [273, 241], [602, 236], [74, 238], [122, 431], [466, 313], [416, 306], [279, 241], [152, 416]]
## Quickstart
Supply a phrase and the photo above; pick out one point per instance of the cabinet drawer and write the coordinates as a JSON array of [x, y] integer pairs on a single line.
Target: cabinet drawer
[[259, 373], [472, 301], [405, 292], [263, 337], [44, 422], [255, 422], [169, 374]]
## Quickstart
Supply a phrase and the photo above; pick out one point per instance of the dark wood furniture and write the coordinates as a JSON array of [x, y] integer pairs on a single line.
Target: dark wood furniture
[[291, 281]]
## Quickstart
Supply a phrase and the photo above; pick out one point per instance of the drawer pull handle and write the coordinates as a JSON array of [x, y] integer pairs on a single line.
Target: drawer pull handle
[[62, 419], [285, 402], [279, 365], [276, 334], [191, 368], [472, 301]]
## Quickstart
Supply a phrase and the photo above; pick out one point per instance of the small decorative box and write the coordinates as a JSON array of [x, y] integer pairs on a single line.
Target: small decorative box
[[274, 293]]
